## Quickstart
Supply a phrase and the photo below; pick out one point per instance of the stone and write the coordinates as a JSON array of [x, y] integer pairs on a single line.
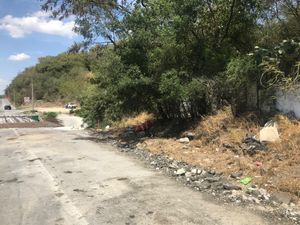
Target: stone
[[180, 172], [281, 197], [225, 145], [269, 133], [212, 179], [231, 187], [204, 186], [255, 200], [235, 194], [212, 172], [264, 195], [218, 186], [245, 198], [253, 192], [123, 144], [140, 146], [190, 135], [227, 192], [195, 178], [188, 174], [173, 165], [153, 163], [202, 172], [184, 140], [194, 171], [237, 175]]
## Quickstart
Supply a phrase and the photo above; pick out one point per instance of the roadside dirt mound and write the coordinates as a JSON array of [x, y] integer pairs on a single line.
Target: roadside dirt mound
[[219, 144]]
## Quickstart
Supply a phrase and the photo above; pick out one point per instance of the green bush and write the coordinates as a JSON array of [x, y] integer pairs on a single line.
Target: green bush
[[50, 115]]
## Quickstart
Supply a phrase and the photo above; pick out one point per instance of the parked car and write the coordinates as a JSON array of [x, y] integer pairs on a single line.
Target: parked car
[[7, 107], [70, 105]]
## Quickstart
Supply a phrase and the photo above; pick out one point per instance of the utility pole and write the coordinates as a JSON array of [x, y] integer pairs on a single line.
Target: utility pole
[[15, 98], [32, 97]]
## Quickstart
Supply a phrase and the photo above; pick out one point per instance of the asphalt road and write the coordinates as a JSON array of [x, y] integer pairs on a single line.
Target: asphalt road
[[53, 177], [13, 116], [14, 111], [3, 102]]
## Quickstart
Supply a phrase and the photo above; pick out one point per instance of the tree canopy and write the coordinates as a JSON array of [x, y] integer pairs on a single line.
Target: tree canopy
[[54, 78], [174, 58]]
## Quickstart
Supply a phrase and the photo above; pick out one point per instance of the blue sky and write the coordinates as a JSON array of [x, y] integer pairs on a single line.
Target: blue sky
[[27, 34]]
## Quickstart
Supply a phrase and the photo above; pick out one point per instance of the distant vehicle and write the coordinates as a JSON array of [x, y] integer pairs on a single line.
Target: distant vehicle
[[70, 105], [7, 107]]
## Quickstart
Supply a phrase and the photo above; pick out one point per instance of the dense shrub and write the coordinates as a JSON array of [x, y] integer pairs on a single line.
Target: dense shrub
[[50, 115]]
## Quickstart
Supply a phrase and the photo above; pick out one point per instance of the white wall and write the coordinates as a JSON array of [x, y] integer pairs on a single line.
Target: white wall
[[289, 101]]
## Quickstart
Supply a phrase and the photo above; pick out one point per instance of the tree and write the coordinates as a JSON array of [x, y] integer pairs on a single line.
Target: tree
[[93, 18], [280, 22]]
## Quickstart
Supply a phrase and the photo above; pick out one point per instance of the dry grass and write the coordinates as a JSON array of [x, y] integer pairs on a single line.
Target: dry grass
[[280, 169], [287, 152], [134, 121], [213, 124], [225, 128]]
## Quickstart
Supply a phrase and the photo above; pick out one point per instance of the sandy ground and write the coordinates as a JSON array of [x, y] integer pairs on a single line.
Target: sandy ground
[[70, 122], [53, 109]]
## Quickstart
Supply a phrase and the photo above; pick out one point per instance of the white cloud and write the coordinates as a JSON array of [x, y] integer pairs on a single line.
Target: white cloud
[[39, 22], [19, 57]]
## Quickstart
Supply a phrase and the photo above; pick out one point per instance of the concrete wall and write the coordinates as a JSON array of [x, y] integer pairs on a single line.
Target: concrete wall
[[289, 101]]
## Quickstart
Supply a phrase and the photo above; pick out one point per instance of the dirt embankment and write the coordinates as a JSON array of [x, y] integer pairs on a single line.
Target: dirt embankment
[[219, 143]]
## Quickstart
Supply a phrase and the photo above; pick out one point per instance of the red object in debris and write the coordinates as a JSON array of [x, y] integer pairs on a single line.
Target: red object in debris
[[144, 126], [258, 163]]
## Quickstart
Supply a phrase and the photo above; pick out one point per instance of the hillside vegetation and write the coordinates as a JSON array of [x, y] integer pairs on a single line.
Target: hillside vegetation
[[63, 77]]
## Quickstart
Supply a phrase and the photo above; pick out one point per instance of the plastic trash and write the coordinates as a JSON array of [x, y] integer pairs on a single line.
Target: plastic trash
[[258, 163], [246, 180]]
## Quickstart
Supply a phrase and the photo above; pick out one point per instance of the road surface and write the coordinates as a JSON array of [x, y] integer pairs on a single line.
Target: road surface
[[13, 115], [51, 176], [3, 102]]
